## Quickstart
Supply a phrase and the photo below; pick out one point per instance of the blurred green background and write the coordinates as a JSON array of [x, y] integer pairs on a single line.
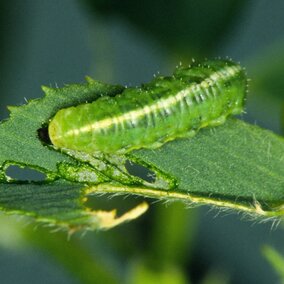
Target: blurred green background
[[58, 42]]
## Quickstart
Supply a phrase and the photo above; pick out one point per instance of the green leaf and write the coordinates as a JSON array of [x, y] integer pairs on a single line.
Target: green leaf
[[236, 165], [140, 274], [282, 118], [275, 259], [57, 202], [214, 276], [173, 233], [20, 143]]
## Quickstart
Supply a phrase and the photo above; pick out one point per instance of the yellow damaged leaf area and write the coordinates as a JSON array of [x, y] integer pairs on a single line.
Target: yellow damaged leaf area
[[108, 219]]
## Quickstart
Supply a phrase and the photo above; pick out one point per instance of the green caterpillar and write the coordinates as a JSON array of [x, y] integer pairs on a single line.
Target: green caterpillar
[[157, 112]]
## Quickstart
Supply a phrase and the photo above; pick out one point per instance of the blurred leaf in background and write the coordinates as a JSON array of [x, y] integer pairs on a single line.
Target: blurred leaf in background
[[275, 259], [266, 86], [282, 119], [187, 28], [267, 69]]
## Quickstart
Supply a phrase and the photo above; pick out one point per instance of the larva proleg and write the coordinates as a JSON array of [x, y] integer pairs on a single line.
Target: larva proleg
[[157, 112]]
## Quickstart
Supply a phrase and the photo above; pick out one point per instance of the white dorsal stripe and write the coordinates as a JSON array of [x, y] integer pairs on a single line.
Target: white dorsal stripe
[[134, 115]]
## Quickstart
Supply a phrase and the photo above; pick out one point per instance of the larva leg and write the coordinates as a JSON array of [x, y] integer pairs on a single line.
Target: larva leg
[[165, 139], [237, 110], [191, 133], [219, 121], [156, 144]]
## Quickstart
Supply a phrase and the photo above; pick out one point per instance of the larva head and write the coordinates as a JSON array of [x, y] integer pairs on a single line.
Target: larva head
[[63, 128], [70, 128], [55, 131]]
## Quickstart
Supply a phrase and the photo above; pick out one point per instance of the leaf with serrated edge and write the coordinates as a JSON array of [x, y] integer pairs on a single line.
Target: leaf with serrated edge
[[236, 165], [59, 203]]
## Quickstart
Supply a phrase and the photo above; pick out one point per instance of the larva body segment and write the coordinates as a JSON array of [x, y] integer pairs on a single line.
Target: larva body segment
[[160, 111]]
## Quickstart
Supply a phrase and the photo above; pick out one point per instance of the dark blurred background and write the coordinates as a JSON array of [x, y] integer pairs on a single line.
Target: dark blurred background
[[59, 42]]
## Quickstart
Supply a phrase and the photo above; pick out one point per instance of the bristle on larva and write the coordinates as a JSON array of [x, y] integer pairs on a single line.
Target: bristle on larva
[[167, 108]]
